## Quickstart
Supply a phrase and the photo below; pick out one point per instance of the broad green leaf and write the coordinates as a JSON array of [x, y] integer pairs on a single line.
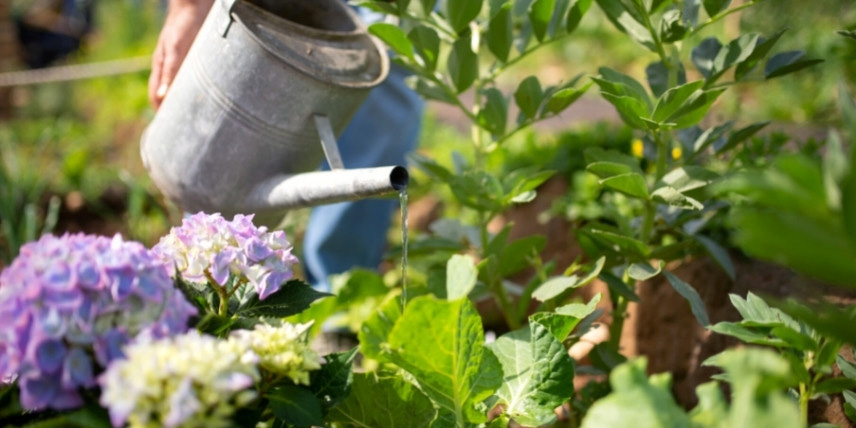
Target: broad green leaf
[[293, 297], [658, 77], [428, 6], [374, 333], [555, 286], [628, 21], [597, 154], [463, 63], [494, 114], [746, 334], [827, 319], [461, 276], [605, 169], [704, 54], [449, 360], [635, 399], [691, 295], [563, 98], [762, 49], [631, 110], [540, 14], [332, 383], [295, 405], [690, 12], [461, 12], [672, 28], [676, 99], [383, 402], [754, 308], [835, 385], [670, 196], [625, 243], [741, 135], [394, 37], [528, 96], [565, 319], [631, 183], [848, 368], [537, 374], [694, 110], [690, 177], [795, 339], [515, 256], [718, 254], [643, 271], [784, 63], [712, 407], [500, 33], [576, 13], [713, 7], [426, 43], [478, 189], [616, 83]]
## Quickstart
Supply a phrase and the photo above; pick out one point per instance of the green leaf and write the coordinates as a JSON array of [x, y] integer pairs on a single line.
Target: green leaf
[[428, 6], [670, 196], [688, 178], [643, 271], [658, 77], [555, 286], [784, 63], [295, 405], [672, 28], [374, 333], [540, 14], [636, 399], [563, 98], [431, 167], [619, 287], [500, 33], [461, 276], [704, 54], [762, 49], [694, 109], [565, 319], [426, 43], [606, 169], [394, 37], [293, 297], [624, 243], [628, 21], [675, 100], [827, 319], [616, 83], [528, 96], [383, 402], [848, 368], [332, 383], [746, 334], [795, 339], [461, 12], [630, 109], [537, 374], [494, 114], [631, 183], [718, 254], [713, 7], [741, 135], [449, 361], [597, 154], [478, 189], [463, 63], [691, 295], [576, 13]]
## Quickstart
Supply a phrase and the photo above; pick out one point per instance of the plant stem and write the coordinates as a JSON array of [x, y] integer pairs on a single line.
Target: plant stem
[[648, 222], [619, 307], [804, 396], [662, 155], [719, 17]]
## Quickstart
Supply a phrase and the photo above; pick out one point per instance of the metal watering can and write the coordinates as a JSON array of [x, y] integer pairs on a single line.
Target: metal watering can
[[263, 83]]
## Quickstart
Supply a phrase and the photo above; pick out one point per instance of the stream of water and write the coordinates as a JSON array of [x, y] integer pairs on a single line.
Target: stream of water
[[402, 198]]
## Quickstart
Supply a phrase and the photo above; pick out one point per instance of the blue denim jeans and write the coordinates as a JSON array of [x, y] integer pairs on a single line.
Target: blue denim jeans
[[353, 234]]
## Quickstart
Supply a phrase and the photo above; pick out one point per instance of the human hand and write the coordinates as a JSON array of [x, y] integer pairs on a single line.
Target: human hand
[[183, 20]]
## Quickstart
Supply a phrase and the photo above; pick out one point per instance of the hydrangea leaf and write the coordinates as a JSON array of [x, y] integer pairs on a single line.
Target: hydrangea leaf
[[292, 298], [295, 405], [565, 319], [538, 374], [332, 383], [447, 358], [461, 276], [383, 402], [374, 333]]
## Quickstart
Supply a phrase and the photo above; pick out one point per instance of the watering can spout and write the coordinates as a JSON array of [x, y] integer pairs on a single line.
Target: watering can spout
[[287, 191]]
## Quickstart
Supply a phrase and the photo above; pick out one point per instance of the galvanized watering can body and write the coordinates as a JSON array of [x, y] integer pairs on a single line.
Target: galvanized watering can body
[[247, 111]]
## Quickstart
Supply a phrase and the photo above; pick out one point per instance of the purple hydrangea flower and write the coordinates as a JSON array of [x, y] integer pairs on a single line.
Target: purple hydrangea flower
[[70, 303], [210, 247]]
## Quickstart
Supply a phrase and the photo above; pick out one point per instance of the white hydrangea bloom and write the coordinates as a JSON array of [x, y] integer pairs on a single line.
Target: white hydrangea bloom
[[189, 380], [283, 350]]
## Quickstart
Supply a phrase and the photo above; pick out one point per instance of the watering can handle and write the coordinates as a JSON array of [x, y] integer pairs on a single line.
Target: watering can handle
[[227, 6], [328, 141]]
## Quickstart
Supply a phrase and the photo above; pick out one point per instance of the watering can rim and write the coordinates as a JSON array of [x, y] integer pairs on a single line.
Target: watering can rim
[[359, 31]]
